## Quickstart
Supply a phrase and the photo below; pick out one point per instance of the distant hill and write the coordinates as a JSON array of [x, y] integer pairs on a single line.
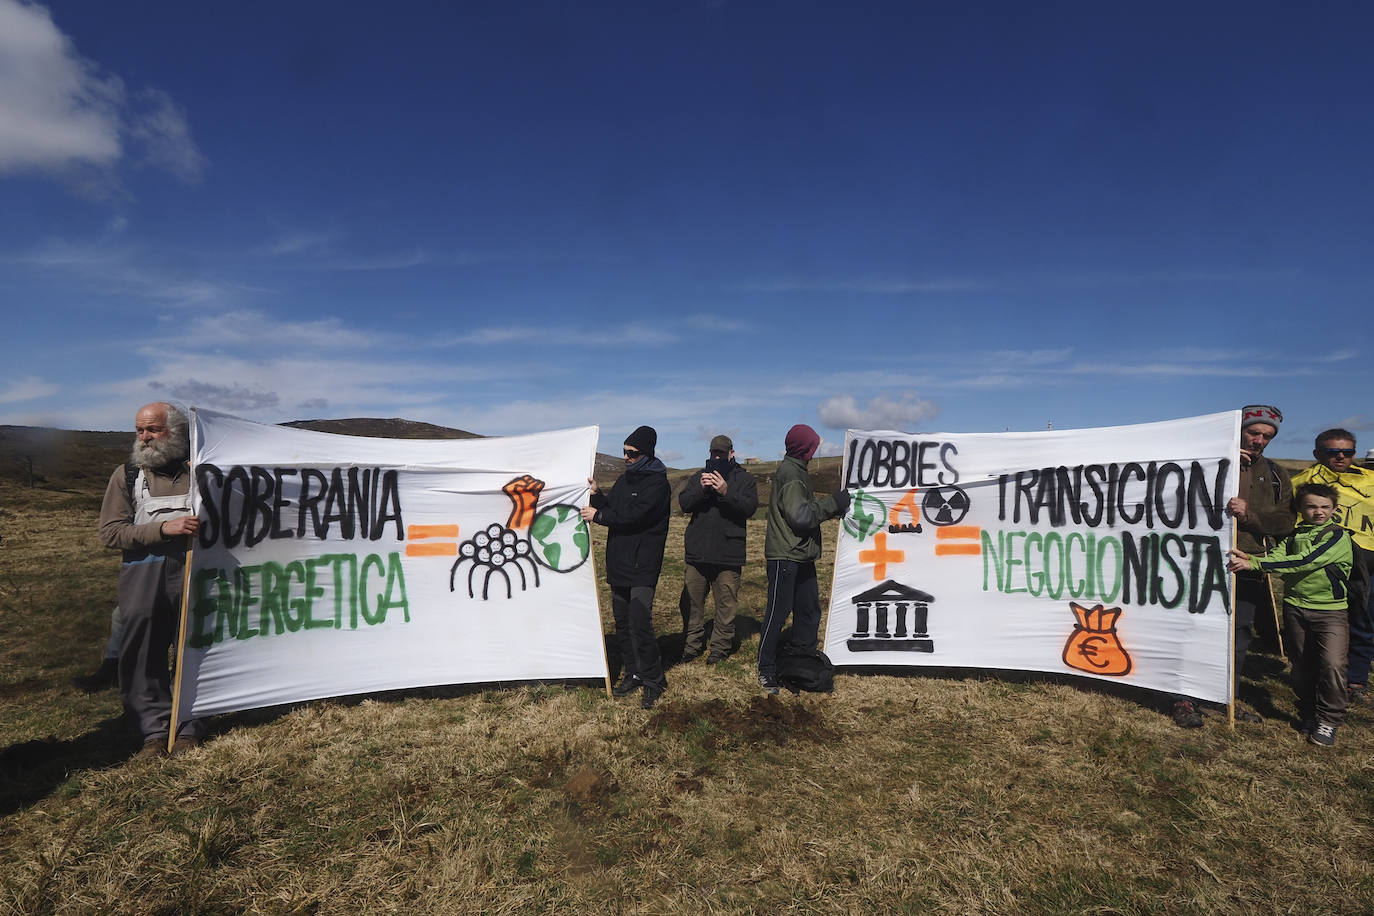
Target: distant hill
[[394, 428], [62, 459]]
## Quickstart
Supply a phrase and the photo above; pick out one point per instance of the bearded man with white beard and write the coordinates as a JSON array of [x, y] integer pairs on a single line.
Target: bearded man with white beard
[[147, 515]]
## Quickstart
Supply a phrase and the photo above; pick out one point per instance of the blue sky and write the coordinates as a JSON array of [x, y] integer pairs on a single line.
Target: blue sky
[[710, 216]]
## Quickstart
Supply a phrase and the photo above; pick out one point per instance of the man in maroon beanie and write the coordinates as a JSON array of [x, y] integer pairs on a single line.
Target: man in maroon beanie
[[635, 514], [790, 549]]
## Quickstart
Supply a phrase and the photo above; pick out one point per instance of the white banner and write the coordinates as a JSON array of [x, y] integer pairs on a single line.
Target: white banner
[[1098, 552], [329, 565]]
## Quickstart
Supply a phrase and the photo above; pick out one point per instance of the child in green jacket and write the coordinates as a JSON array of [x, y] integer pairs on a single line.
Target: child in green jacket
[[1314, 563]]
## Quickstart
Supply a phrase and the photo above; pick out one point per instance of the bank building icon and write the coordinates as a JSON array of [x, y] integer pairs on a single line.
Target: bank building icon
[[903, 608]]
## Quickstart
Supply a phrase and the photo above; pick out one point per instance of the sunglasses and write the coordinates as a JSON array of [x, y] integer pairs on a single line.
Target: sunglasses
[[631, 453], [1333, 452]]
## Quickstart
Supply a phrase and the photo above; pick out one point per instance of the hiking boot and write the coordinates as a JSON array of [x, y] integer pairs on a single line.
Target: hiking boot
[[715, 658], [185, 743], [153, 747], [1323, 735], [650, 696], [769, 683], [1357, 695], [1245, 715], [628, 686], [105, 677], [690, 655], [1186, 715]]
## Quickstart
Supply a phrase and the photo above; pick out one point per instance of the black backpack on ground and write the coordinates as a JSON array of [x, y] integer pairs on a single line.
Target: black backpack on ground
[[805, 669]]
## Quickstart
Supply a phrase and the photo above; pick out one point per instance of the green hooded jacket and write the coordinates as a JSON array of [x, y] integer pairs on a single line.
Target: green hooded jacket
[[1314, 564], [795, 514]]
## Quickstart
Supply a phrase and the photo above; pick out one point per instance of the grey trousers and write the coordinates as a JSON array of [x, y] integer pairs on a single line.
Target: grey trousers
[[1317, 643], [149, 608], [723, 583]]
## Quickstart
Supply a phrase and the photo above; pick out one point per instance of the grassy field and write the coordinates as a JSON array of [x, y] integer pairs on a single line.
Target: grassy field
[[956, 793]]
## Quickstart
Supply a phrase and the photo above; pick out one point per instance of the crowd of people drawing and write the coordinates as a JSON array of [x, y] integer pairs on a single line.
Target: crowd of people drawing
[[1314, 531]]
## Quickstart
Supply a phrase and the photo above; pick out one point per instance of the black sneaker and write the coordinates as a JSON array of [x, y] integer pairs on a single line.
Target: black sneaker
[[769, 683], [1186, 715], [690, 656], [650, 696], [628, 686], [1323, 735], [716, 658]]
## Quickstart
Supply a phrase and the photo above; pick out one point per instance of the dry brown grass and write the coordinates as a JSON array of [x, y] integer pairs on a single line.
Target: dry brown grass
[[959, 793]]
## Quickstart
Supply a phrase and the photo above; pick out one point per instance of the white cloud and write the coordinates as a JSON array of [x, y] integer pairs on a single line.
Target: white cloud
[[400, 261], [830, 448], [158, 126], [224, 397], [1045, 357], [881, 412], [27, 389], [298, 242], [631, 335], [877, 287], [1354, 423], [1175, 370], [55, 110], [60, 114], [260, 332], [114, 265], [706, 322]]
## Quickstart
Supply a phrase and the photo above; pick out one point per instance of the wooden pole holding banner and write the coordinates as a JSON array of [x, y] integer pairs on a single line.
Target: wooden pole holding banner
[[1276, 603], [1232, 674], [181, 646], [591, 558]]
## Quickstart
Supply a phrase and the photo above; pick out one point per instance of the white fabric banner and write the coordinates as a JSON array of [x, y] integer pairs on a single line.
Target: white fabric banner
[[1098, 552], [329, 565]]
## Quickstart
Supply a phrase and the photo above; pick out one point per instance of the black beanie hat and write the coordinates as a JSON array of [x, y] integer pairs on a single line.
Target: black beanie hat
[[643, 439]]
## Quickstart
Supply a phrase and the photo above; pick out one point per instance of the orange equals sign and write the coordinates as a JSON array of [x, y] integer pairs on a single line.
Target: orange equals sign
[[949, 537], [423, 532]]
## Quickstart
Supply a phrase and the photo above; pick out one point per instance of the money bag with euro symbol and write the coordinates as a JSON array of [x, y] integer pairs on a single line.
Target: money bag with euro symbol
[[1093, 646]]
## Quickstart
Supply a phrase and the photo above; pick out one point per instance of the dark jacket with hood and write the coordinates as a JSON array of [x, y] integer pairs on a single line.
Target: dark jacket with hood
[[716, 533], [635, 512], [795, 514]]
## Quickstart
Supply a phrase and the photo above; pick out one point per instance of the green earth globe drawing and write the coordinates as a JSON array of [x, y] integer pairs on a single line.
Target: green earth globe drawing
[[560, 538], [867, 516]]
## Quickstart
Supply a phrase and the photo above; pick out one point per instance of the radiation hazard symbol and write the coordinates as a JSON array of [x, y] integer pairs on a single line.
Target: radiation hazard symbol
[[944, 505], [1093, 646]]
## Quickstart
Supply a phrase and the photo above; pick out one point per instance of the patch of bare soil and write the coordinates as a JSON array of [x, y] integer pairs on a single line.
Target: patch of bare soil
[[766, 719], [590, 785]]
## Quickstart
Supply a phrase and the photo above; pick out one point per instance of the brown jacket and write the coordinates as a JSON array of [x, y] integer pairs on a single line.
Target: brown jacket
[[1268, 506], [117, 528]]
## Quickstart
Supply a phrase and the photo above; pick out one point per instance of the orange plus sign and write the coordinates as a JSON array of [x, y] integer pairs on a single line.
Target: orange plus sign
[[880, 556]]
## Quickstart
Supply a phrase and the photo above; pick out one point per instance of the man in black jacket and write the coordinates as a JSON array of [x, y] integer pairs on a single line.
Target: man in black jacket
[[720, 498], [635, 513]]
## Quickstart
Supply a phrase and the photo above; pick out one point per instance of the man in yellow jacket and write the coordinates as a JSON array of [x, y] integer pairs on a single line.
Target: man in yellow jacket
[[1335, 467]]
